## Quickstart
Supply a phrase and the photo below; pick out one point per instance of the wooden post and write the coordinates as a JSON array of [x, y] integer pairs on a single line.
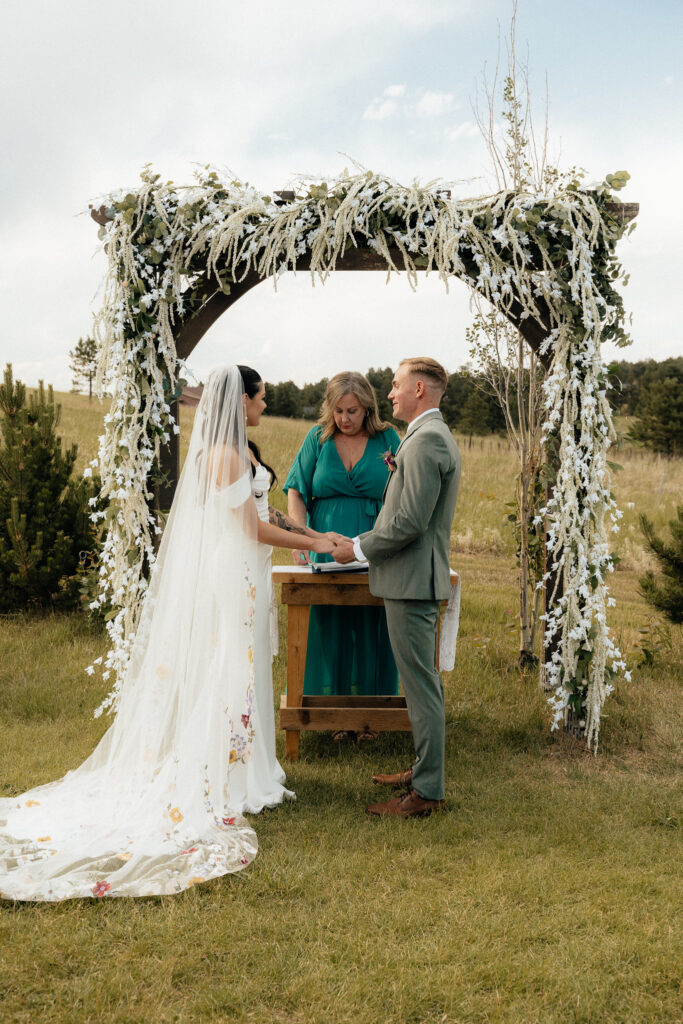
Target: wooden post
[[552, 589], [297, 641], [552, 592]]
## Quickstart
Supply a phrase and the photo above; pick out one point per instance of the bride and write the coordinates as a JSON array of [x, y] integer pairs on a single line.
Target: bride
[[157, 807]]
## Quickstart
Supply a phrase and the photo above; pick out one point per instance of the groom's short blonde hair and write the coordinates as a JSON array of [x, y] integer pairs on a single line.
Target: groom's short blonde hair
[[425, 366]]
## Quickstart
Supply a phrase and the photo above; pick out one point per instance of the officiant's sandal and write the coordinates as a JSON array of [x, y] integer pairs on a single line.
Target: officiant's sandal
[[397, 781], [410, 805]]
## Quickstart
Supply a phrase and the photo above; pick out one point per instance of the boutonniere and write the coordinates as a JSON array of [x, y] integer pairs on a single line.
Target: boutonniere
[[389, 460]]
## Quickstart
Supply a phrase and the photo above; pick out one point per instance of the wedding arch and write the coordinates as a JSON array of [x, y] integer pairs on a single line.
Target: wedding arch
[[178, 257]]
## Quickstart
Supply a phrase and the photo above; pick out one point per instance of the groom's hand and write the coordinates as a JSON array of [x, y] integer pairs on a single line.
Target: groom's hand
[[336, 538], [343, 551]]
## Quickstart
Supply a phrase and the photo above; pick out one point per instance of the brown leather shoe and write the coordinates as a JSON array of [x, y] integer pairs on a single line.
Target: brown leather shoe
[[397, 781], [410, 805]]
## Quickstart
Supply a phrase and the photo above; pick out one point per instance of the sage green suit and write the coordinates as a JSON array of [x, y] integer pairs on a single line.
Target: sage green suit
[[408, 551]]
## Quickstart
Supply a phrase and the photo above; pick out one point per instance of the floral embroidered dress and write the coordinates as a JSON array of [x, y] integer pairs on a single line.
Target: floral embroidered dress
[[157, 806], [257, 782], [348, 648]]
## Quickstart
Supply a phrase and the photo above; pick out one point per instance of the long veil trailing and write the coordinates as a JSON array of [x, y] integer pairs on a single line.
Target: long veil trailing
[[149, 812]]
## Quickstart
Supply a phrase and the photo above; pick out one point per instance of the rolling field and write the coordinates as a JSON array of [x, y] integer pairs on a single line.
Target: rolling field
[[549, 891]]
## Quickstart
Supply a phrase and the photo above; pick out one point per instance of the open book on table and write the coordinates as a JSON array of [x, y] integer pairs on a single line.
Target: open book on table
[[339, 567]]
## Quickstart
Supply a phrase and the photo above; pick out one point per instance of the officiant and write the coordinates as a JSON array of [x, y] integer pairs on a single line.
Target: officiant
[[336, 482]]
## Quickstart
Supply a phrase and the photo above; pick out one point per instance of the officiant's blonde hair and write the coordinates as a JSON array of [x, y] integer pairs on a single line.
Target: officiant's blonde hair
[[349, 383]]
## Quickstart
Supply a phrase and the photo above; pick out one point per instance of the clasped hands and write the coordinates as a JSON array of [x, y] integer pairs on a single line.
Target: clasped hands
[[335, 544], [342, 550]]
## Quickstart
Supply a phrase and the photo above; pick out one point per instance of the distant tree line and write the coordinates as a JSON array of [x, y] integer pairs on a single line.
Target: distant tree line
[[649, 391], [469, 405]]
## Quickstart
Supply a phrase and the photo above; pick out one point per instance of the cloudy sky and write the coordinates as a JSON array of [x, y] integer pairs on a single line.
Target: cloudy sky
[[92, 91]]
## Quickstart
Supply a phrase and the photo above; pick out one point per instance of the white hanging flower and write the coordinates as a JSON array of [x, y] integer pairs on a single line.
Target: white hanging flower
[[240, 232]]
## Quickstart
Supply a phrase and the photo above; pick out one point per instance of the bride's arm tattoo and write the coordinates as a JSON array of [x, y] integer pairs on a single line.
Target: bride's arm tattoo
[[278, 518]]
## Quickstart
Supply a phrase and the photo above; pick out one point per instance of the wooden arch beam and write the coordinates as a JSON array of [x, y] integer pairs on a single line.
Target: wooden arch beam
[[191, 331]]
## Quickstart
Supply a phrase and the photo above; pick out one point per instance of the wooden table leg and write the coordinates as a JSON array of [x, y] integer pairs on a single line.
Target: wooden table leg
[[297, 639]]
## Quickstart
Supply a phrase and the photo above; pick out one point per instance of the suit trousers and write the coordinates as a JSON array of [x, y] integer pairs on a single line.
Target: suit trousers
[[413, 631]]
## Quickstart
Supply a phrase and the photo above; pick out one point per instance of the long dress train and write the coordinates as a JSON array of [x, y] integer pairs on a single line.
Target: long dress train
[[156, 807]]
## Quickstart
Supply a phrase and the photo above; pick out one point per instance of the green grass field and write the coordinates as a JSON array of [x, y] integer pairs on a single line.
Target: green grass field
[[549, 891]]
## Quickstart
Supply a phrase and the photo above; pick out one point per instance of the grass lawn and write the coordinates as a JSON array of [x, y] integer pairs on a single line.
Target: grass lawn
[[549, 891]]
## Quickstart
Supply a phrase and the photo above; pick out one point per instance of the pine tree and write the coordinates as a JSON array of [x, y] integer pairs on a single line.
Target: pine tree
[[44, 514], [287, 399], [659, 415], [83, 364], [665, 594], [381, 382], [475, 415]]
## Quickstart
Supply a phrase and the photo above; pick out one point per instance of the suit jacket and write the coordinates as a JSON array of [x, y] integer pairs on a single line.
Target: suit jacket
[[408, 548]]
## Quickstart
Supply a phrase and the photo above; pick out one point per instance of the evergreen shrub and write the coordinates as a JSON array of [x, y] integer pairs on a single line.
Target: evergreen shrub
[[45, 526], [665, 593]]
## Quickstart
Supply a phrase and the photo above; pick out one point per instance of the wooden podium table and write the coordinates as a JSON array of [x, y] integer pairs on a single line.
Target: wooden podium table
[[302, 588]]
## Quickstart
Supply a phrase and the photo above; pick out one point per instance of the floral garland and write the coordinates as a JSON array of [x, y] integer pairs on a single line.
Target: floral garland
[[554, 249]]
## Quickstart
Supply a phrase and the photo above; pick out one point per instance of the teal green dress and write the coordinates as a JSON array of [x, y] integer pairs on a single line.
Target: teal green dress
[[348, 648]]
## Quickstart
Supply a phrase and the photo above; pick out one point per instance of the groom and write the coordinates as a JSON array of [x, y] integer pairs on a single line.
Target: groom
[[408, 552]]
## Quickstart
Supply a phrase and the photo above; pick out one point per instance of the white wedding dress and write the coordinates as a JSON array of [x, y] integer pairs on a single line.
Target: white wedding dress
[[258, 782], [157, 807]]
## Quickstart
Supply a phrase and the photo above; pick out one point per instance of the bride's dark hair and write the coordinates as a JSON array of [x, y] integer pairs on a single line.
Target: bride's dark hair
[[251, 382]]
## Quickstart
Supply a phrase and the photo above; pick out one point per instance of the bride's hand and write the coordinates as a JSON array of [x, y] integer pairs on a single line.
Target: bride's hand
[[322, 545], [300, 557]]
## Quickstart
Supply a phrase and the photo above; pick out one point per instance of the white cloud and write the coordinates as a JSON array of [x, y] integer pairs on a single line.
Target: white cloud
[[398, 100], [434, 104], [380, 110], [382, 107], [466, 129]]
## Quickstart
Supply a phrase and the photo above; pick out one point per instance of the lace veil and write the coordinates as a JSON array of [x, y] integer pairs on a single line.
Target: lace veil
[[149, 811]]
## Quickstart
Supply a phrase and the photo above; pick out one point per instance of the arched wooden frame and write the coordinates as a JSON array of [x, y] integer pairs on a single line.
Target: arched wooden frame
[[215, 302], [189, 333]]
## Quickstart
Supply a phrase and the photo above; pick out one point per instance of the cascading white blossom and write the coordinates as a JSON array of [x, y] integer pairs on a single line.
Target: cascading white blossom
[[513, 247]]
